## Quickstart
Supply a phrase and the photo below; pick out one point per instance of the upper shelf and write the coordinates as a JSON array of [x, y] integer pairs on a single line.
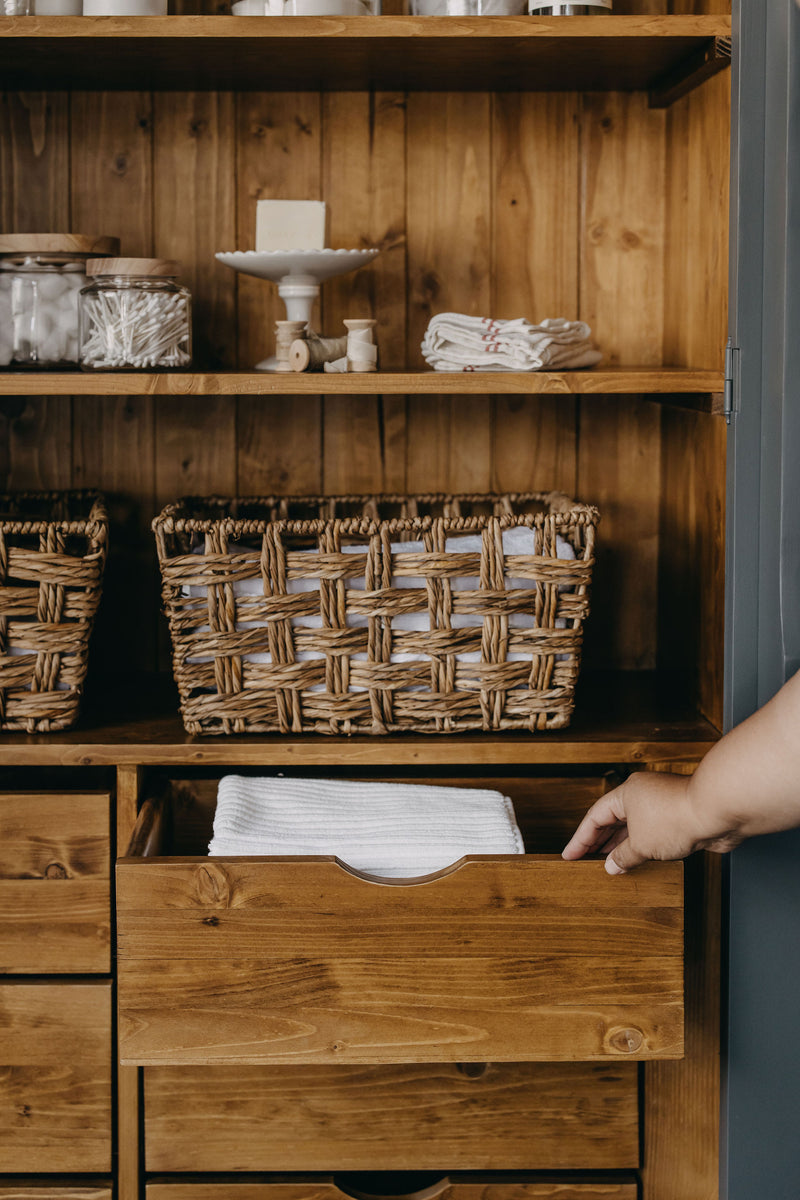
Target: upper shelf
[[665, 55], [699, 389]]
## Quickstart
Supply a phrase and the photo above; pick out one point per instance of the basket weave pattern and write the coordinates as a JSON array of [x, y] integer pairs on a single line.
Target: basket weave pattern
[[277, 627], [52, 556]]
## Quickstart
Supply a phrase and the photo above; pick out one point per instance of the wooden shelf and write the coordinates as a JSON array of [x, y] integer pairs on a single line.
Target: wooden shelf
[[621, 717], [696, 389], [662, 54]]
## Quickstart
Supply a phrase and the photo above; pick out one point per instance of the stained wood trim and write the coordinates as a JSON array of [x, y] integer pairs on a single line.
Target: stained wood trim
[[702, 64], [627, 381]]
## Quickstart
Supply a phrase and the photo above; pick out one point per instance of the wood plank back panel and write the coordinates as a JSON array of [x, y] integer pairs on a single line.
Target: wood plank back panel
[[55, 1081], [363, 162], [448, 215], [479, 1116], [54, 883], [507, 204], [111, 192]]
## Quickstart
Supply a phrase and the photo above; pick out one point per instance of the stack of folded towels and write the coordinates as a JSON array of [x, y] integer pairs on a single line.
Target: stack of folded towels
[[456, 342], [392, 830]]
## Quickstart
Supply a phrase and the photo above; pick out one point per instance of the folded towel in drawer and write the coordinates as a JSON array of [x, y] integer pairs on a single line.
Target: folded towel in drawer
[[394, 830]]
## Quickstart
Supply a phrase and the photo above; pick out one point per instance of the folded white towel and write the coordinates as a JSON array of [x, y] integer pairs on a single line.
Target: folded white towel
[[396, 830], [457, 342]]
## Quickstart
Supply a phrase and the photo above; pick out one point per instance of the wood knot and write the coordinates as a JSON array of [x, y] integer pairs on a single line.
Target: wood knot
[[625, 1041], [213, 888], [24, 1110], [473, 1070], [212, 921], [56, 870], [630, 240]]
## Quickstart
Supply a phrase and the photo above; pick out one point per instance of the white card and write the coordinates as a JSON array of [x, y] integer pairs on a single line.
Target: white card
[[290, 225]]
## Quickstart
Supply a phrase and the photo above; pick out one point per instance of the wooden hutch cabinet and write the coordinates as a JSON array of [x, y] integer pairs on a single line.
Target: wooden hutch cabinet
[[505, 167]]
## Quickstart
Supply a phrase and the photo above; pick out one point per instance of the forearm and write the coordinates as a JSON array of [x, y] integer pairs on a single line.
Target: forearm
[[750, 781]]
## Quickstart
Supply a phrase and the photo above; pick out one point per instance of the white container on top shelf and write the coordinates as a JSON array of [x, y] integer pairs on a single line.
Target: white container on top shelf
[[124, 8], [41, 275], [42, 8], [467, 8], [306, 8], [545, 8]]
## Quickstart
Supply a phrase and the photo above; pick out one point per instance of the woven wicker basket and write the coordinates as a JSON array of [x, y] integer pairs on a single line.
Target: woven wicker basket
[[309, 615], [52, 555]]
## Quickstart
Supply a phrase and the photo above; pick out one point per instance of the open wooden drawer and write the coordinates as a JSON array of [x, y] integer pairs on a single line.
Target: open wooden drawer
[[300, 960]]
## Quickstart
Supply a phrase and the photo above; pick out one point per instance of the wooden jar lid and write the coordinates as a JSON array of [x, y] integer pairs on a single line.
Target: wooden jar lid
[[57, 243], [157, 267]]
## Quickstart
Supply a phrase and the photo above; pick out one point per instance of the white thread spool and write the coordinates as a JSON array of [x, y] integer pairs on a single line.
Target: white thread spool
[[312, 353], [287, 332], [362, 354]]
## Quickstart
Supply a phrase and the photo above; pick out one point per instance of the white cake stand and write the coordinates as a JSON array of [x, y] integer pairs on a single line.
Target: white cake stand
[[298, 274]]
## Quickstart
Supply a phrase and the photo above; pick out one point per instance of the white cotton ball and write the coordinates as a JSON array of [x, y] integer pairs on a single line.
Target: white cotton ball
[[50, 287], [71, 352], [53, 348]]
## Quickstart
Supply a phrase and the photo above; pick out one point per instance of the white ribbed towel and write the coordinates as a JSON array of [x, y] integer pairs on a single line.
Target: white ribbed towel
[[457, 342], [396, 830]]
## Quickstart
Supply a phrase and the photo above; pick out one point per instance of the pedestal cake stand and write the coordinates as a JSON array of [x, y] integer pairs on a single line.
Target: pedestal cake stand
[[298, 274]]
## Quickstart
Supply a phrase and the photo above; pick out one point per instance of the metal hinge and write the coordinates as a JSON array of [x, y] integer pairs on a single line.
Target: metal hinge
[[731, 380]]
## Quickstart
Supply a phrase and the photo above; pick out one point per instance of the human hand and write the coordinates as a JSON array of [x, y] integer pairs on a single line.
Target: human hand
[[649, 816]]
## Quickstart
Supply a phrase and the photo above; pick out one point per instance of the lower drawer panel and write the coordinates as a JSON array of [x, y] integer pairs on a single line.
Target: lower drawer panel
[[55, 1077], [57, 1190], [528, 1116], [476, 1188]]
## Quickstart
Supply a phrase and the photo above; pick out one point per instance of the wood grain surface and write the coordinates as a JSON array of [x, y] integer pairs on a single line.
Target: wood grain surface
[[346, 54], [296, 960], [476, 1116], [54, 883], [55, 1082], [475, 1188], [54, 1191]]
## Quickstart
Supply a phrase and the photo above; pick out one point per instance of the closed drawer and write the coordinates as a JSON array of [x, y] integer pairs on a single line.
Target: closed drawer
[[57, 1190], [289, 960], [478, 1187], [479, 1116], [54, 883], [55, 1077]]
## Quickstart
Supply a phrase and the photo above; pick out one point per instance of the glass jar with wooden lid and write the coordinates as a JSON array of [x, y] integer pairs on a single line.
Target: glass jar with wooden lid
[[135, 316], [41, 276]]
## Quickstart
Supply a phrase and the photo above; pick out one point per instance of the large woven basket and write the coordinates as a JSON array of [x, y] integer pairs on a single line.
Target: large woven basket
[[52, 555], [310, 615]]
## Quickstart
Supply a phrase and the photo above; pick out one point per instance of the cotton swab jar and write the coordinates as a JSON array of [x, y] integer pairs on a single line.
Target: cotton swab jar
[[135, 316], [41, 276]]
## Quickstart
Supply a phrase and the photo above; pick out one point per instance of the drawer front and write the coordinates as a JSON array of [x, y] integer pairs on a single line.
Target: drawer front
[[54, 883], [502, 959], [57, 1190], [475, 1189], [55, 1077], [480, 1116]]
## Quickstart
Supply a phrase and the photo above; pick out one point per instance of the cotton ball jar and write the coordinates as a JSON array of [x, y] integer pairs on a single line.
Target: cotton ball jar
[[135, 316], [41, 276]]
